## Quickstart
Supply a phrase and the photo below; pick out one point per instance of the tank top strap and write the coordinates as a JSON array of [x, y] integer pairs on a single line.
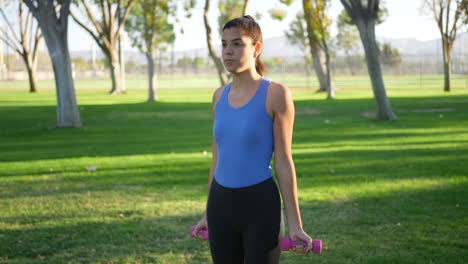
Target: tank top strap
[[263, 90], [224, 97]]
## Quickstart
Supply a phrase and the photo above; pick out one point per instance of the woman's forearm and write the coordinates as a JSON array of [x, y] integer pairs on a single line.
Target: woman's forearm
[[285, 173]]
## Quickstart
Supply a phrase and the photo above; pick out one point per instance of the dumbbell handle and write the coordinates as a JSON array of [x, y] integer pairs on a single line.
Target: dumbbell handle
[[203, 232], [286, 242]]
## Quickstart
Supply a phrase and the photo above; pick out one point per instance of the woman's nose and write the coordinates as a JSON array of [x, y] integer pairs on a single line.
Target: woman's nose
[[227, 50]]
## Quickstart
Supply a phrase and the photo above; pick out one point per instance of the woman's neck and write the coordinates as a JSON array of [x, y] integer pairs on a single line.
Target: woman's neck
[[245, 80]]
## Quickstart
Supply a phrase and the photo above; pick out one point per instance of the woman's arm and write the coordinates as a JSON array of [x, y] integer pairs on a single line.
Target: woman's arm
[[214, 146], [282, 110], [203, 224]]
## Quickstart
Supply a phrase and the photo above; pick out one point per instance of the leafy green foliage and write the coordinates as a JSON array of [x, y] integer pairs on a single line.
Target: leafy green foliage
[[315, 14], [348, 35], [148, 24], [278, 13], [297, 35], [286, 2], [390, 56], [228, 9]]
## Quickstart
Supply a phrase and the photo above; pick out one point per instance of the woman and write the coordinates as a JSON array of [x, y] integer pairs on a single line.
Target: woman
[[253, 117]]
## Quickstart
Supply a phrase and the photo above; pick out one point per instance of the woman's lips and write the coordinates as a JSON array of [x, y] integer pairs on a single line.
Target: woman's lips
[[228, 61]]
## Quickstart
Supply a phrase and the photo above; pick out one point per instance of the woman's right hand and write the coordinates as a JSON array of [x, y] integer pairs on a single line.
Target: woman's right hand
[[202, 224]]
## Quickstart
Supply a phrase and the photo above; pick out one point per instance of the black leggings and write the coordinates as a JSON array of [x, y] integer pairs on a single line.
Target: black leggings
[[244, 223]]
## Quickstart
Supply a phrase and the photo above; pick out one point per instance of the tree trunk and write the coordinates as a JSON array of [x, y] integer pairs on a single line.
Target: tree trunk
[[223, 77], [152, 97], [244, 8], [319, 67], [349, 63], [115, 73], [330, 85], [307, 63], [67, 109], [30, 68], [367, 33], [447, 54], [55, 33]]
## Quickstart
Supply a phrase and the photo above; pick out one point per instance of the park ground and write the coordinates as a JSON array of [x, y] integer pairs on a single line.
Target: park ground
[[128, 184]]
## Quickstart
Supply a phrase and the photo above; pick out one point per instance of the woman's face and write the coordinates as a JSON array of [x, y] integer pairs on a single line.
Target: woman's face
[[238, 50]]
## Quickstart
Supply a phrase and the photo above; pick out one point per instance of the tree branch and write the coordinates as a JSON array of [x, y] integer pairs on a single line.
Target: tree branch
[[99, 29], [117, 13], [124, 17], [104, 14], [96, 38], [9, 43], [447, 17], [111, 21], [348, 9], [10, 27], [31, 6]]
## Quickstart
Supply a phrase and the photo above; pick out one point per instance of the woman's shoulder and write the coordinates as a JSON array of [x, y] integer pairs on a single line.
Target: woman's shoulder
[[217, 94], [279, 92]]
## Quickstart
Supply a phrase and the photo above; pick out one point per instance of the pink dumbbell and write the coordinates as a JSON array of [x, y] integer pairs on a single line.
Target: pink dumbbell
[[203, 232], [286, 242]]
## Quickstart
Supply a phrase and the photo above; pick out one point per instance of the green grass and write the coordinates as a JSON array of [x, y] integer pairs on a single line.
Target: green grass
[[374, 192]]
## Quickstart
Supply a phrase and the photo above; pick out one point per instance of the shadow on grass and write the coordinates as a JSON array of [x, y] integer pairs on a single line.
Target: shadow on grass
[[144, 128], [397, 227], [137, 239], [406, 226]]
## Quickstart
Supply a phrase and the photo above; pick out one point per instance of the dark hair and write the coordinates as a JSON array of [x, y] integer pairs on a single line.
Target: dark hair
[[249, 27]]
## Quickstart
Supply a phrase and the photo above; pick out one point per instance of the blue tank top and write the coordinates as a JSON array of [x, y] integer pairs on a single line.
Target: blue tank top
[[244, 137]]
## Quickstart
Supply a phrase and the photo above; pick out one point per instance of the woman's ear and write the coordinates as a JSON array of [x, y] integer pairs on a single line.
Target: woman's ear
[[258, 49]]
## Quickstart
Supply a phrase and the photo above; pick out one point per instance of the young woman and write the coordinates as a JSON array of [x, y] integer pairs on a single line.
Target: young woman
[[253, 118]]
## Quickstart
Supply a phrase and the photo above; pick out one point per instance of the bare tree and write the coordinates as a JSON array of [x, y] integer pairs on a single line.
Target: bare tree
[[229, 9], [223, 77], [52, 17], [449, 16], [106, 32], [365, 15], [318, 25], [26, 44]]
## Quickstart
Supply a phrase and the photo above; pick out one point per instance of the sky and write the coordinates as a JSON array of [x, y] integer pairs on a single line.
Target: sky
[[405, 20]]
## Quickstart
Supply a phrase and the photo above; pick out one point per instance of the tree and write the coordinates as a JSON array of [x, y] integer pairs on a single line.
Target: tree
[[318, 25], [464, 4], [223, 77], [297, 35], [107, 30], [52, 17], [318, 60], [390, 56], [365, 16], [26, 45], [449, 16], [347, 39], [148, 29], [229, 9]]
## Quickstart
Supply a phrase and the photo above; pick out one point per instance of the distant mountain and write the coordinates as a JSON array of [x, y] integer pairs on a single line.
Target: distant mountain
[[281, 47], [428, 47]]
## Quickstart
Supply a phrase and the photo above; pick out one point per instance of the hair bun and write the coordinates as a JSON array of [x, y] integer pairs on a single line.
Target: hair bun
[[249, 17]]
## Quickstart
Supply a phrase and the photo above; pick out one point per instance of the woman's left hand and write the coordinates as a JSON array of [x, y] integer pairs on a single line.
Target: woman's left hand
[[301, 236]]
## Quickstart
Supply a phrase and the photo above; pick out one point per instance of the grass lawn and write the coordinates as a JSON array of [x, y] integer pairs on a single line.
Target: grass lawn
[[373, 191]]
